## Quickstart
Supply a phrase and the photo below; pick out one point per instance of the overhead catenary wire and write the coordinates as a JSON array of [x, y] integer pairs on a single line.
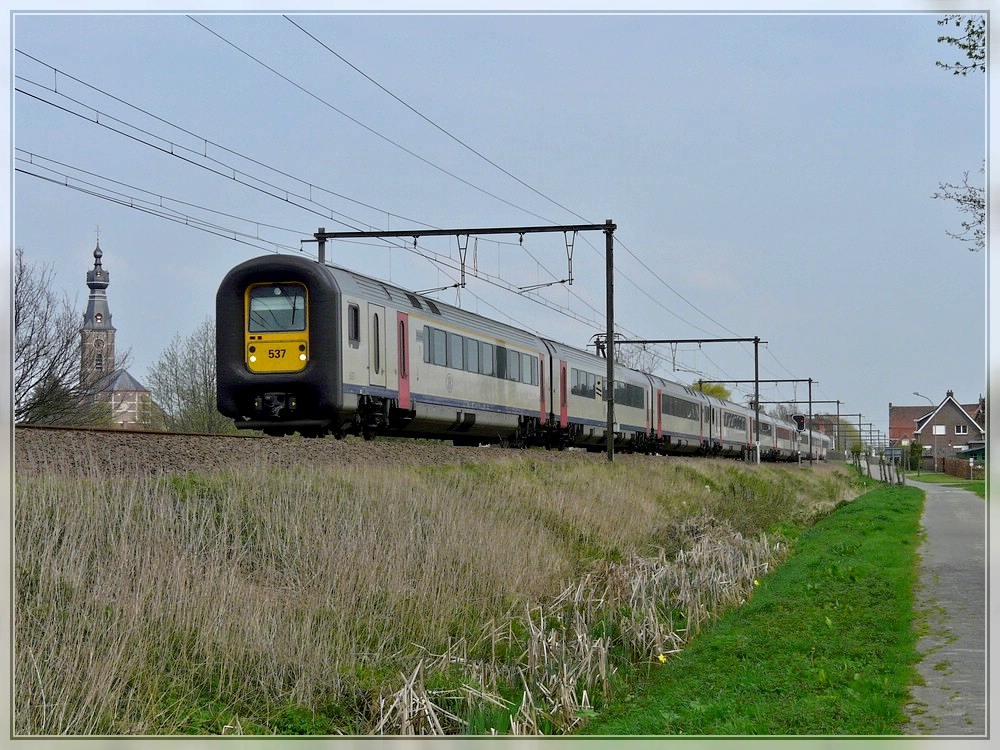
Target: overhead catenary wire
[[192, 156], [278, 193]]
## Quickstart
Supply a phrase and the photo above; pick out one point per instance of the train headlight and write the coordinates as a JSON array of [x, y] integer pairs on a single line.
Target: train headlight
[[253, 358], [302, 357]]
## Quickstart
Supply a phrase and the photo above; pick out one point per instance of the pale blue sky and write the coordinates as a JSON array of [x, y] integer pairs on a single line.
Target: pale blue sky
[[770, 174]]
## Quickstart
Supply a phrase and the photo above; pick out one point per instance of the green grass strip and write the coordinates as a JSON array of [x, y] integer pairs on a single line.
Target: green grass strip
[[826, 645]]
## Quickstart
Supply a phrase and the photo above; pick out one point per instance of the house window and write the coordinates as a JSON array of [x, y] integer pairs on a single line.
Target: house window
[[961, 429]]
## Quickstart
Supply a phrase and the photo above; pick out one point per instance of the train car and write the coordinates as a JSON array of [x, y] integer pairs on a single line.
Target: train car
[[317, 349], [725, 428], [677, 416], [814, 445], [577, 397], [786, 441], [768, 437]]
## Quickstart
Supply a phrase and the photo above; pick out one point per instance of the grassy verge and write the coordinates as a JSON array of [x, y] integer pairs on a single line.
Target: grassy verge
[[508, 595], [825, 645]]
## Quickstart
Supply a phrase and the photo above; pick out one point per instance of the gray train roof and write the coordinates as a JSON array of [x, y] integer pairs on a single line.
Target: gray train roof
[[374, 290], [599, 365]]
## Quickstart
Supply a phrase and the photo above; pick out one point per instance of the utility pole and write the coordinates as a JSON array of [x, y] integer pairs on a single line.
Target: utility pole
[[321, 236]]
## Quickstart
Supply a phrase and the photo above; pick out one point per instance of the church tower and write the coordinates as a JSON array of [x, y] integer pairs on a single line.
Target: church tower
[[97, 336]]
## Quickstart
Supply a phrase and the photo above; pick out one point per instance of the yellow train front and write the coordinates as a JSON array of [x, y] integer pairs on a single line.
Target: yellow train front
[[275, 371]]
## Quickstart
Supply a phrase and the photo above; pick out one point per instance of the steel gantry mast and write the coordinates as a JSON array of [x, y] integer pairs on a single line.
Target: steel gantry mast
[[321, 236]]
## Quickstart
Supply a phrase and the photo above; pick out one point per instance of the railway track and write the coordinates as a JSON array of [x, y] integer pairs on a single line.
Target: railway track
[[114, 430], [83, 451]]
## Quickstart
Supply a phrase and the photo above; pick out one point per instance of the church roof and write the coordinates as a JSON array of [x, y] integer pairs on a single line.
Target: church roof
[[118, 381]]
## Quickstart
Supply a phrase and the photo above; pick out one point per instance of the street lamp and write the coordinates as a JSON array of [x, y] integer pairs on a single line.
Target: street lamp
[[933, 431]]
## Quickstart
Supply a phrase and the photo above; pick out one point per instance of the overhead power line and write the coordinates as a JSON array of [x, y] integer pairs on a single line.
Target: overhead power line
[[305, 199]]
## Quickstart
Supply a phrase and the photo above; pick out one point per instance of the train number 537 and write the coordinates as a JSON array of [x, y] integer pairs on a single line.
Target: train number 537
[[276, 353]]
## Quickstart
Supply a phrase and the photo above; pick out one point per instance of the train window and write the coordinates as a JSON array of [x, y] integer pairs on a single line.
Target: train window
[[486, 362], [456, 348], [584, 384], [534, 370], [353, 324], [376, 345], [472, 355], [513, 365], [526, 368], [679, 407], [276, 307], [734, 421], [439, 347], [433, 308], [627, 394], [413, 300], [501, 368]]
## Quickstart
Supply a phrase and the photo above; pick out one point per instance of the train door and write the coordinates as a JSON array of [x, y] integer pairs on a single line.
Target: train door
[[376, 345], [659, 413], [563, 396], [403, 358], [541, 387]]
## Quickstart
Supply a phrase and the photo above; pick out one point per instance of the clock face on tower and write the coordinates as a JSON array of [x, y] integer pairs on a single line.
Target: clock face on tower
[[98, 343]]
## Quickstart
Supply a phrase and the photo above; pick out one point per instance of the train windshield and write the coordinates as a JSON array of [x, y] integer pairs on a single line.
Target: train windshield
[[277, 307]]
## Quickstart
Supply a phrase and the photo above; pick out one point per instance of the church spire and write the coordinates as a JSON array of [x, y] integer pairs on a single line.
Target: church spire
[[97, 335]]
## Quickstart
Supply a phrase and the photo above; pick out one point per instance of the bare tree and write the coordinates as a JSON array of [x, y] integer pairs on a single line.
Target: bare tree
[[972, 43], [182, 383], [970, 199], [784, 412], [47, 386], [638, 357]]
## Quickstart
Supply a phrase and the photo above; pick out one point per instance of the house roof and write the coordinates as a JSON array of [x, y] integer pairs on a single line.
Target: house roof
[[903, 420], [948, 401], [909, 421], [118, 381]]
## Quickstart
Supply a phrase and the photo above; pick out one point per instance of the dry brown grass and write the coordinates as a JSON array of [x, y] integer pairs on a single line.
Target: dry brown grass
[[412, 599]]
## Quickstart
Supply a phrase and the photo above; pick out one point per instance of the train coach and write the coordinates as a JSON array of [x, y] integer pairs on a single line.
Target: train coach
[[315, 349]]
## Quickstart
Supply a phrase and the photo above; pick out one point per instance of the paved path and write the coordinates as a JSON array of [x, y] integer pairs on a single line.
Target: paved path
[[951, 604]]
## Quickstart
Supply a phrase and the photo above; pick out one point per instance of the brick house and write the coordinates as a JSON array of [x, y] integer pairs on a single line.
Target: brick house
[[945, 430]]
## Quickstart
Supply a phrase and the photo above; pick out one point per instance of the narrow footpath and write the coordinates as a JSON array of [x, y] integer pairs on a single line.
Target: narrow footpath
[[950, 601]]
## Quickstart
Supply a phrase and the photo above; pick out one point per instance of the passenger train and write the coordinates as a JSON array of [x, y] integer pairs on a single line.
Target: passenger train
[[310, 348]]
